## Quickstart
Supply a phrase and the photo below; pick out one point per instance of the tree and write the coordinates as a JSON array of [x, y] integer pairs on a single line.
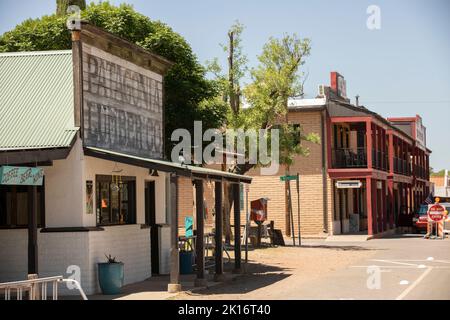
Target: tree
[[62, 5], [189, 95], [277, 78]]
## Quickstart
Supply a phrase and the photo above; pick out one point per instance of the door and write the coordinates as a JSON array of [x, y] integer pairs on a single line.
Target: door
[[150, 220]]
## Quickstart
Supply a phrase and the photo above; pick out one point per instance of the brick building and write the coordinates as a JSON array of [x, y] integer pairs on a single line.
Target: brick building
[[366, 176]]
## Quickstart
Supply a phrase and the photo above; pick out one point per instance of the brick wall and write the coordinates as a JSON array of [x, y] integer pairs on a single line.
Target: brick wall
[[186, 202], [312, 205], [311, 184]]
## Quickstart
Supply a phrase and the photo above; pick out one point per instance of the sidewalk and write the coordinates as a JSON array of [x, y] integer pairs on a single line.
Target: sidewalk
[[155, 288]]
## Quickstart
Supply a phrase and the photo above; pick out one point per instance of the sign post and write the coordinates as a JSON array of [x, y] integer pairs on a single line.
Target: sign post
[[288, 178], [298, 210], [436, 215]]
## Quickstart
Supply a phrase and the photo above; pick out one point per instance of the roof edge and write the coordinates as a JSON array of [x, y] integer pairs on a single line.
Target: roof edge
[[34, 53]]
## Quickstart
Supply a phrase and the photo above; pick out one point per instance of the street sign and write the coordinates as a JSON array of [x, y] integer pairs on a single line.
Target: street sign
[[351, 184], [436, 213], [288, 178], [21, 176]]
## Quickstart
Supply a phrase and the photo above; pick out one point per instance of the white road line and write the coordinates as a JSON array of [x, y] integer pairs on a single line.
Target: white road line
[[400, 267], [415, 283], [396, 262]]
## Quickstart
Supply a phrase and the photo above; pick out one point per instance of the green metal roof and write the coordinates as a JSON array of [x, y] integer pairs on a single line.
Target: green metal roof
[[36, 100]]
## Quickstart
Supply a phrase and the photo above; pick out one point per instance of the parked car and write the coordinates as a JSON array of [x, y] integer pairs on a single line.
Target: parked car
[[420, 219]]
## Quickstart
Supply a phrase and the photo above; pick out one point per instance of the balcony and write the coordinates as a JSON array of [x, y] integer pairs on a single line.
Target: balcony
[[420, 172], [380, 160], [344, 158], [401, 166]]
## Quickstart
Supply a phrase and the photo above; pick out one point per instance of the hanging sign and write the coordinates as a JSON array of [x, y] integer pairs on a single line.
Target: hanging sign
[[21, 176]]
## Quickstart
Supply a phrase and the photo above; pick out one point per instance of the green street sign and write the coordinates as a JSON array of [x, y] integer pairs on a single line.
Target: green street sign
[[21, 176], [288, 178]]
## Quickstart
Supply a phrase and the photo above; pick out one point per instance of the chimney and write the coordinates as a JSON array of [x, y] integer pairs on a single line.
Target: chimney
[[357, 100]]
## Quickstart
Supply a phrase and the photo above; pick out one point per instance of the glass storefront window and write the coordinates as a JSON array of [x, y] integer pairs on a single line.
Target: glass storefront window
[[115, 200]]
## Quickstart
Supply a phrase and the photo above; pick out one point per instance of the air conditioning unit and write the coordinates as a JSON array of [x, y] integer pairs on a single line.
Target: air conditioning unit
[[321, 90]]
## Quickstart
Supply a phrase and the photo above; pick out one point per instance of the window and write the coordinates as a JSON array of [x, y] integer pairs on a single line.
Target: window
[[14, 206], [116, 200]]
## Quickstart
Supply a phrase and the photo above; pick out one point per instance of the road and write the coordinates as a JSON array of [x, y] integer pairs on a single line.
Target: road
[[399, 268]]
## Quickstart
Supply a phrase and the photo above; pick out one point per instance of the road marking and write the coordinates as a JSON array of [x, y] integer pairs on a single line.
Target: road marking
[[404, 282], [401, 267], [415, 283], [396, 262]]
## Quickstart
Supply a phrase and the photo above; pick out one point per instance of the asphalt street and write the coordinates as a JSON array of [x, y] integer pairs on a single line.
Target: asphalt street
[[401, 268]]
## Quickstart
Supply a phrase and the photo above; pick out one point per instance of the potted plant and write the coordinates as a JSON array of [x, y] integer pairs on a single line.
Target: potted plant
[[110, 276]]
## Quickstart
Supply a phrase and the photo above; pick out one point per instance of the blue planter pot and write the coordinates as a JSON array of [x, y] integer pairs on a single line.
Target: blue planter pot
[[186, 259], [110, 277]]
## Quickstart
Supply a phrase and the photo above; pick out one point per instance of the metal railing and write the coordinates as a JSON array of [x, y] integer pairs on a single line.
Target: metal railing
[[380, 160], [349, 158], [36, 289], [420, 172], [402, 166]]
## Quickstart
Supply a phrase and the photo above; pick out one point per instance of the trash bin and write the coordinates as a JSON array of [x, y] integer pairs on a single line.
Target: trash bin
[[186, 258]]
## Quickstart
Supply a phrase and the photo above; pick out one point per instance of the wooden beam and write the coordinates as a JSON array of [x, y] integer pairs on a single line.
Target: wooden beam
[[200, 281], [218, 232], [174, 285], [32, 231], [237, 228], [22, 157], [369, 206]]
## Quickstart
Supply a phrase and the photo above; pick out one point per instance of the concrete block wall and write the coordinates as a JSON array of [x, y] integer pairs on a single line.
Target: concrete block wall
[[13, 254], [129, 244]]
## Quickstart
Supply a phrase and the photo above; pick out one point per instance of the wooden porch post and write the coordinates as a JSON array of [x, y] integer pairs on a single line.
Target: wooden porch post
[[384, 199], [33, 267], [218, 251], [369, 206], [200, 281], [237, 229], [392, 202], [369, 139], [174, 284]]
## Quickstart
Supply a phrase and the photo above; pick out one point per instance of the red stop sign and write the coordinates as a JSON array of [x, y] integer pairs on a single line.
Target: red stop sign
[[436, 212]]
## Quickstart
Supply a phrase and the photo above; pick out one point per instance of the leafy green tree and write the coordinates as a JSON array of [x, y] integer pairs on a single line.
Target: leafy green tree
[[277, 78], [189, 94]]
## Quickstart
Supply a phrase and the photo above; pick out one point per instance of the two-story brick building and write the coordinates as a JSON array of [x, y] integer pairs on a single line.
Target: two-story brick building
[[365, 177]]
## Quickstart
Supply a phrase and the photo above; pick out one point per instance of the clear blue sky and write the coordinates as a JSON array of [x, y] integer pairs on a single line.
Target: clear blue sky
[[401, 70]]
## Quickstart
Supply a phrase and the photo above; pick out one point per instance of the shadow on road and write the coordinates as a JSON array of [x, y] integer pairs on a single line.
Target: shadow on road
[[258, 276]]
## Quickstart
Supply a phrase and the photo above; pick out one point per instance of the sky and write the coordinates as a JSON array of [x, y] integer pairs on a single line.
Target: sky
[[401, 69]]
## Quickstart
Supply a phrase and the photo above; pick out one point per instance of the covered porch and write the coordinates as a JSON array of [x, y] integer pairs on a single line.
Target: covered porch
[[198, 175]]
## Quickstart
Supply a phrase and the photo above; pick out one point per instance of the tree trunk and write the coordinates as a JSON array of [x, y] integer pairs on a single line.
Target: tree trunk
[[62, 5]]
